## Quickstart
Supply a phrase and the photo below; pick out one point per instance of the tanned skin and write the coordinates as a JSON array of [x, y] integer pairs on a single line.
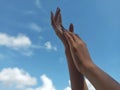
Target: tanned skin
[[79, 60], [84, 64], [76, 77]]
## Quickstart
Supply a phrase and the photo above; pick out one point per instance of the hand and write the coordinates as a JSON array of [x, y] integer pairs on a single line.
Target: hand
[[56, 22], [78, 50]]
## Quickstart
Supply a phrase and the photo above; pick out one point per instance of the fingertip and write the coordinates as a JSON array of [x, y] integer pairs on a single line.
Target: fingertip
[[58, 8], [57, 13], [71, 28]]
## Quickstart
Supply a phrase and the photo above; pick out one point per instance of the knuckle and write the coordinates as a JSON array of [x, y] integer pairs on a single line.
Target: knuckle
[[82, 43], [75, 47]]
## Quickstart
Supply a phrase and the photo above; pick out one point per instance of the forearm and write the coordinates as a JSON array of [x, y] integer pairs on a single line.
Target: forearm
[[100, 79], [77, 79]]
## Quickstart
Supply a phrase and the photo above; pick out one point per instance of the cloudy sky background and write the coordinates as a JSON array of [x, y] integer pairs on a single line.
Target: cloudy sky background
[[32, 57]]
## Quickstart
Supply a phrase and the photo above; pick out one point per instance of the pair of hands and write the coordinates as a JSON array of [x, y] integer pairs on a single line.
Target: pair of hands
[[71, 41], [78, 52]]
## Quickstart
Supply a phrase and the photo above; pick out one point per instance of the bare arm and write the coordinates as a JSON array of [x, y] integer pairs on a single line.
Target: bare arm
[[77, 79], [84, 64], [100, 79]]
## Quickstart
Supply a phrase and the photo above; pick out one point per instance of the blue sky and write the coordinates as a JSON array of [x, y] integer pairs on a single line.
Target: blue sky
[[30, 50]]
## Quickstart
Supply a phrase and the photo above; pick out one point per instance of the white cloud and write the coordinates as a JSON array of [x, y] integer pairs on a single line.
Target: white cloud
[[21, 80], [38, 4], [35, 27], [68, 87], [16, 77], [48, 46], [18, 42], [47, 83], [90, 86], [22, 44]]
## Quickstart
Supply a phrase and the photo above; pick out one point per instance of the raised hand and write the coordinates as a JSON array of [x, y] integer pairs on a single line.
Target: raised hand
[[56, 22], [79, 60], [77, 79], [84, 64], [78, 50]]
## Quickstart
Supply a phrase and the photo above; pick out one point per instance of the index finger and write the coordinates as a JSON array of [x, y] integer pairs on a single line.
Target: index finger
[[57, 14], [75, 36], [69, 38]]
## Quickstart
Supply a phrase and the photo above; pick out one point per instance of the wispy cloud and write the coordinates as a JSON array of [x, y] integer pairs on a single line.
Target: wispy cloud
[[49, 46], [35, 27], [26, 52], [38, 4], [29, 12]]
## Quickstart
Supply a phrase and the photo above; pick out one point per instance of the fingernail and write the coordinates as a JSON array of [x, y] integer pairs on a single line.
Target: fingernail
[[58, 8]]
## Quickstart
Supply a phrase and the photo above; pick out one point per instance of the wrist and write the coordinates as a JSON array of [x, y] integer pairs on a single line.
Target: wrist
[[86, 68]]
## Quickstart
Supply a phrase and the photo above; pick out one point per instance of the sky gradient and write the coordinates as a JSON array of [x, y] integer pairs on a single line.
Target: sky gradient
[[31, 55]]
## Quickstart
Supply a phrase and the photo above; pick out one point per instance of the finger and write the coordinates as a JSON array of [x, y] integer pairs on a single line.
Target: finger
[[53, 21], [63, 29], [57, 14], [78, 36], [69, 38], [71, 28], [60, 22], [59, 19], [75, 38]]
